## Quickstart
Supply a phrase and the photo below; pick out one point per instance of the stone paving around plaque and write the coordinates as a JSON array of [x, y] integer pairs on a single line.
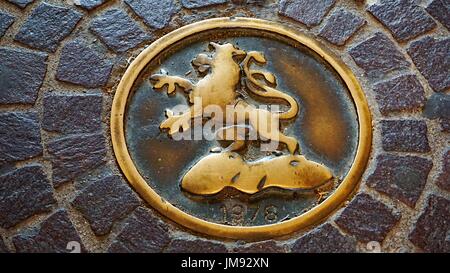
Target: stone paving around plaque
[[61, 62]]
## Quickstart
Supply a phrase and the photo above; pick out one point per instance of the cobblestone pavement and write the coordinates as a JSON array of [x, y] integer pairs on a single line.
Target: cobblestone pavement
[[60, 63]]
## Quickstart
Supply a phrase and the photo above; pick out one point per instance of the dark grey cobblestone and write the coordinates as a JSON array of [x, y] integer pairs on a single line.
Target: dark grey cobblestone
[[21, 75], [75, 155], [431, 57], [72, 113], [21, 3], [404, 18], [378, 55], [20, 136], [324, 239], [308, 12], [341, 26], [195, 246], [405, 136], [155, 13], [440, 9], [104, 202], [80, 64], [193, 4], [143, 232], [432, 228], [401, 177], [6, 20], [24, 192], [90, 4], [402, 93], [118, 30], [367, 219], [47, 26], [443, 180], [438, 107], [52, 235]]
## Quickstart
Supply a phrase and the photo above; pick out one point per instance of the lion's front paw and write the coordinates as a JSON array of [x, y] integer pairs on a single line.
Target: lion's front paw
[[175, 124], [162, 80]]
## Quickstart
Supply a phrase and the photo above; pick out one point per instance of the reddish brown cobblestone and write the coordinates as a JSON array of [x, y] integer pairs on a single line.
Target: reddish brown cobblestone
[[53, 235], [443, 180], [431, 57], [74, 155], [378, 56], [143, 232], [404, 136], [341, 26], [431, 230], [367, 219], [402, 93], [308, 12], [104, 202], [24, 192], [404, 18], [401, 177], [324, 239], [195, 246], [261, 247]]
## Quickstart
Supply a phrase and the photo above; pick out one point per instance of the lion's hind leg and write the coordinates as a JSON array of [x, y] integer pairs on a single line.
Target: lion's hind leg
[[291, 142], [277, 136], [235, 133], [267, 127]]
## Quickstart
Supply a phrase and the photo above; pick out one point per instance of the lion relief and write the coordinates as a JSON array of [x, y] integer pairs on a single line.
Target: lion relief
[[220, 77]]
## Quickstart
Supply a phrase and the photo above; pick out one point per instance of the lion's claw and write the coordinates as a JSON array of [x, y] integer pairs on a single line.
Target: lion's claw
[[162, 80], [175, 123]]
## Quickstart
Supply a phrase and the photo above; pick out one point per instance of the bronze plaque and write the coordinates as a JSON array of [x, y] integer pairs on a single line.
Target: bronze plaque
[[241, 128]]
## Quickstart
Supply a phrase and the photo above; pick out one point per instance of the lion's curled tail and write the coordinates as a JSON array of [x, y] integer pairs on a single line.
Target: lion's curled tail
[[262, 90]]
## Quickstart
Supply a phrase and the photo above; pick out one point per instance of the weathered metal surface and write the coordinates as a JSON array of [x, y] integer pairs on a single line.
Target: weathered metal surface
[[209, 187]]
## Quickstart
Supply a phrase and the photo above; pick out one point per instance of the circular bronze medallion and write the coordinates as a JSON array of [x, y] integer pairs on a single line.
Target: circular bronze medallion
[[241, 128]]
